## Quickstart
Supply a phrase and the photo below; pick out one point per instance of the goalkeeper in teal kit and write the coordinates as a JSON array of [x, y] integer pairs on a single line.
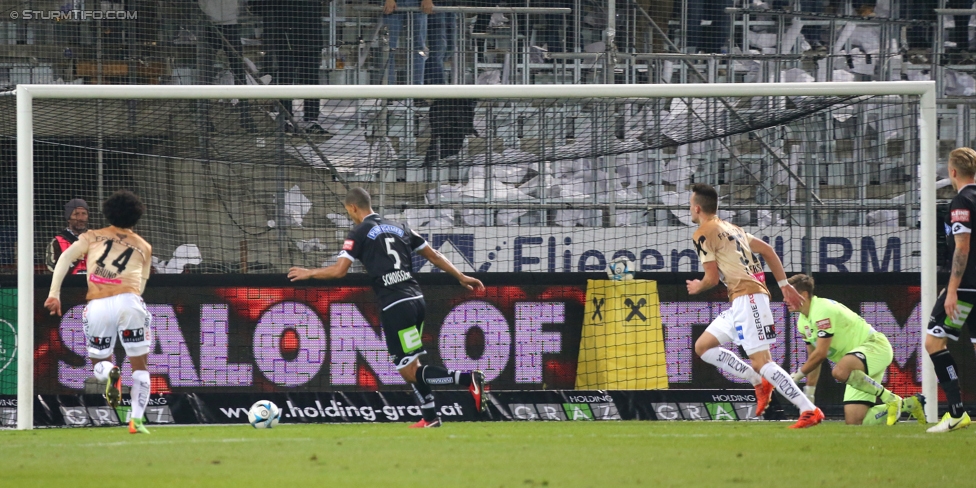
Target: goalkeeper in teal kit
[[860, 354]]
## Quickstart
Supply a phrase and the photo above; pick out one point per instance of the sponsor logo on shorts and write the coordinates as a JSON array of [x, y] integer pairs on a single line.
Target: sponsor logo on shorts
[[823, 324], [348, 244], [100, 343], [133, 335], [757, 319], [960, 215]]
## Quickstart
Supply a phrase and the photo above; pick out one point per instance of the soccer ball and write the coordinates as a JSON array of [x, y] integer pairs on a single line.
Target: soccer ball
[[621, 269], [263, 415]]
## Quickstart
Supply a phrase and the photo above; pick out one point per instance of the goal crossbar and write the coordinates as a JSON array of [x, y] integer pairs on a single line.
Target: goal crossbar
[[925, 90]]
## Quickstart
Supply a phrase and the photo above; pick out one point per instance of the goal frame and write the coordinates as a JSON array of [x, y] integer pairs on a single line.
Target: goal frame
[[25, 159]]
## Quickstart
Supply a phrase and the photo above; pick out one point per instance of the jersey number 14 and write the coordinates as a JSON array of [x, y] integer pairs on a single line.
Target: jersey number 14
[[120, 262]]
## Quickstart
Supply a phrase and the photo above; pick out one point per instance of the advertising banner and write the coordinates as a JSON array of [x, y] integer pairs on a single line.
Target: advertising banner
[[8, 341], [665, 249], [400, 406], [261, 338], [258, 336]]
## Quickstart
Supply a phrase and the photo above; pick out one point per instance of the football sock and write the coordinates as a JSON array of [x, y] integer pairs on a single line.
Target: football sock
[[425, 398], [860, 381], [462, 378], [139, 393], [101, 370], [945, 370], [730, 362], [877, 415], [436, 375], [785, 386]]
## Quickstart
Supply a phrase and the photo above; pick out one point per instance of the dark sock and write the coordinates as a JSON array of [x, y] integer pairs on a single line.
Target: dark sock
[[946, 371], [425, 398], [436, 375]]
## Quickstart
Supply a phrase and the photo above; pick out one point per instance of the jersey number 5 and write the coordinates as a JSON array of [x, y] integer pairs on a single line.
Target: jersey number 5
[[120, 262], [392, 252]]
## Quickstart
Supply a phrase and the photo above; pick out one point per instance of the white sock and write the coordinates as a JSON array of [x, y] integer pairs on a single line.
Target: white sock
[[102, 369], [785, 385], [731, 363], [139, 393]]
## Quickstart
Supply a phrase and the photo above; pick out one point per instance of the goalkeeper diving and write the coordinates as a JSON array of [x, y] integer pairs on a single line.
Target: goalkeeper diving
[[860, 355]]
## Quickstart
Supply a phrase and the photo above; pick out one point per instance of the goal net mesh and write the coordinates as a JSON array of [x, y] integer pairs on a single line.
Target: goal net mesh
[[499, 185], [232, 187]]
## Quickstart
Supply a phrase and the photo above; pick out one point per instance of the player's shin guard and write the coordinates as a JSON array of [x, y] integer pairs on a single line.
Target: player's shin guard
[[946, 371], [785, 386], [139, 393], [436, 375], [862, 382], [877, 415], [425, 399], [731, 363]]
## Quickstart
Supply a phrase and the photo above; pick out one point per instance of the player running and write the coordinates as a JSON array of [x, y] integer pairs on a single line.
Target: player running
[[118, 269], [955, 302], [860, 354], [726, 253], [385, 249]]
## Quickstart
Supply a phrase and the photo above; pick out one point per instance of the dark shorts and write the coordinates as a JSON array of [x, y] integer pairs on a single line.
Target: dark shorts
[[941, 325], [403, 326]]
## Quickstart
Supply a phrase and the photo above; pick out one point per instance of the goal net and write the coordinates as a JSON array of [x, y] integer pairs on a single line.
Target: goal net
[[527, 179]]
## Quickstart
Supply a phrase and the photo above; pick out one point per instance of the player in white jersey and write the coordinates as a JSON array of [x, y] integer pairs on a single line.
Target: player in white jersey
[[119, 263], [726, 253]]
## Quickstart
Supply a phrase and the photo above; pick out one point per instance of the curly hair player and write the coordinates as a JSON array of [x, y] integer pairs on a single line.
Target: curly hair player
[[119, 262]]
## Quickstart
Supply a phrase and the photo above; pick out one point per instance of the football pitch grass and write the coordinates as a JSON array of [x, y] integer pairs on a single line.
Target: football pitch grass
[[496, 454]]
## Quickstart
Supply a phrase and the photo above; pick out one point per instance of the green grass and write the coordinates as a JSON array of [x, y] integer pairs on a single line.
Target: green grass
[[556, 454]]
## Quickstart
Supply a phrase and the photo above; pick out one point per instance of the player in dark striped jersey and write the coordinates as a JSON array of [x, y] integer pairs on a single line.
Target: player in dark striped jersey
[[385, 248]]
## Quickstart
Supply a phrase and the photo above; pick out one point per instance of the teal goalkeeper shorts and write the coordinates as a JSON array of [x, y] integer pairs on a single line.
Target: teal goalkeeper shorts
[[876, 354]]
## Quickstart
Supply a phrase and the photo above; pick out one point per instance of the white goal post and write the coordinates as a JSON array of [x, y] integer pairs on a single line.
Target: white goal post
[[25, 181]]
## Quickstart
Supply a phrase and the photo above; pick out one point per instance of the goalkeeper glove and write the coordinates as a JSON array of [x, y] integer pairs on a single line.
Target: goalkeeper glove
[[798, 376], [810, 392]]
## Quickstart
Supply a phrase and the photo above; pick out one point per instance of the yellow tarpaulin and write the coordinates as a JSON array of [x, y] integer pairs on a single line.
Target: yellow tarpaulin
[[622, 347]]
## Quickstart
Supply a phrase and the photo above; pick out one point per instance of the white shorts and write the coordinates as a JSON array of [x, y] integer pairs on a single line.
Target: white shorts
[[122, 315], [749, 323]]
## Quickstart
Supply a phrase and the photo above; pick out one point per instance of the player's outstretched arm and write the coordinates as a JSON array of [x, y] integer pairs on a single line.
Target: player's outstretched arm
[[813, 376], [790, 295], [67, 258], [815, 357], [811, 369], [707, 282], [438, 259], [337, 270]]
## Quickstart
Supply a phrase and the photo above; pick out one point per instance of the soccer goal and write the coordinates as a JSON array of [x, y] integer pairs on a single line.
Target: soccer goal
[[541, 179]]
